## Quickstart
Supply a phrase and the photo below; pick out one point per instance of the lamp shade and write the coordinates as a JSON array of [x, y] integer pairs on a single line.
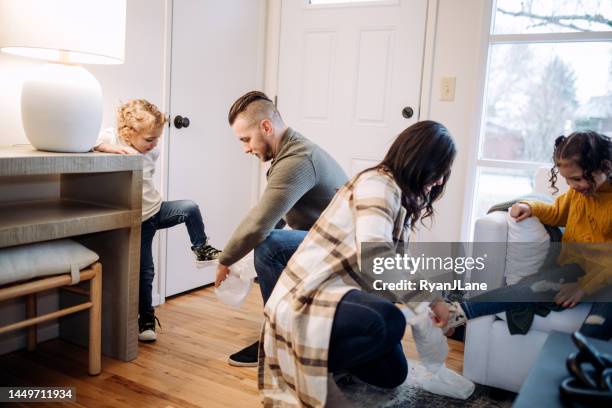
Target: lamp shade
[[68, 31]]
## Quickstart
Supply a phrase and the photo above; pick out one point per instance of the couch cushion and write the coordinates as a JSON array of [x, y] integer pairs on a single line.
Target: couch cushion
[[528, 244], [43, 259], [566, 321]]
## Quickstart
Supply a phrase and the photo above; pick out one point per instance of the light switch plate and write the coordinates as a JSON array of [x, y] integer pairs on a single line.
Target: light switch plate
[[447, 89]]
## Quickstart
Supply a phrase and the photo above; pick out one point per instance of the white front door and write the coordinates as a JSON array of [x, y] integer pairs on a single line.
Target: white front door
[[216, 57], [348, 73]]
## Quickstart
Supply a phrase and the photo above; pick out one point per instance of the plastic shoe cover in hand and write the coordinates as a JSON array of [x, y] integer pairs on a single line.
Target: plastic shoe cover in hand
[[432, 347], [431, 343], [235, 288]]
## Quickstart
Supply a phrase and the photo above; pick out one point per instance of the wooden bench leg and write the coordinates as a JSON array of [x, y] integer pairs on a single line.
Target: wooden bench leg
[[95, 321], [30, 313]]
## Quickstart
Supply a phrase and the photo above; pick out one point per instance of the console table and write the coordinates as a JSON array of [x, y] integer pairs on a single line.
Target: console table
[[96, 199]]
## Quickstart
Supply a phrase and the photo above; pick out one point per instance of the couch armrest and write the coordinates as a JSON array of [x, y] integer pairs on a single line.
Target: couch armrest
[[490, 237], [477, 348]]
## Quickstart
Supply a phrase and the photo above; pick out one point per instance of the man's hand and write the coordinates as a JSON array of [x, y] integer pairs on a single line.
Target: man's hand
[[116, 149], [222, 272], [520, 211], [569, 295]]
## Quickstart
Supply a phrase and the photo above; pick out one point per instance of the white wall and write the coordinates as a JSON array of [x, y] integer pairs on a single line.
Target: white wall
[[457, 51], [141, 76], [13, 71]]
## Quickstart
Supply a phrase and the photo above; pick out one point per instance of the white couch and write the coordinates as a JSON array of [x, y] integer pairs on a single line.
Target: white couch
[[492, 356]]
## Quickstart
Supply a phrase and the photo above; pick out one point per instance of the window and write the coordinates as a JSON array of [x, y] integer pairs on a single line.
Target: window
[[549, 73]]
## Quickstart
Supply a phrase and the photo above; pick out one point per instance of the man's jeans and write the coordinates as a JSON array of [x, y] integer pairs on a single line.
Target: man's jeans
[[272, 255], [170, 214]]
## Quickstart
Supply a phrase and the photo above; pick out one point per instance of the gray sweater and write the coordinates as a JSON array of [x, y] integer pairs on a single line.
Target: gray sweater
[[302, 180]]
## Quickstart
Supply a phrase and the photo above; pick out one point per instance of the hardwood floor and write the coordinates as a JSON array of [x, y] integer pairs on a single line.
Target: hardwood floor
[[186, 367]]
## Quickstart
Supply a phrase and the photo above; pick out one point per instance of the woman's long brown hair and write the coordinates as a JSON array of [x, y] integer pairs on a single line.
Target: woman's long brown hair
[[422, 154]]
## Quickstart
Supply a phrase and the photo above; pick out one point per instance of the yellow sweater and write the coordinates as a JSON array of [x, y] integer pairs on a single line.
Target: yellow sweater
[[587, 219]]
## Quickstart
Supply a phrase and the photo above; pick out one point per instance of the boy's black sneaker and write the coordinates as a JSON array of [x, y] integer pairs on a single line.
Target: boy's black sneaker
[[146, 327], [205, 253], [247, 357]]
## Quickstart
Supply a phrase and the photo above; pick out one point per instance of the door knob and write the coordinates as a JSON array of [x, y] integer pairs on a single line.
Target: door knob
[[181, 122], [407, 112]]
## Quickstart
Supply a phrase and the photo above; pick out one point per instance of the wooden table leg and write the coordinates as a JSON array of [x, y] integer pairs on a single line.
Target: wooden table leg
[[95, 321], [30, 313]]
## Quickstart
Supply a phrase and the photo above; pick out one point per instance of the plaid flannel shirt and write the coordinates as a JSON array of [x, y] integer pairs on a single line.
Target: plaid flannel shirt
[[299, 314]]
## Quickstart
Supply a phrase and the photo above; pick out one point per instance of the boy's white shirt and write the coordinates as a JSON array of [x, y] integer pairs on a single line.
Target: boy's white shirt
[[151, 198]]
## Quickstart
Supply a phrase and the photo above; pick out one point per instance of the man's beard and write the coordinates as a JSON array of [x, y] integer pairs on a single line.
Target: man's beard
[[265, 156]]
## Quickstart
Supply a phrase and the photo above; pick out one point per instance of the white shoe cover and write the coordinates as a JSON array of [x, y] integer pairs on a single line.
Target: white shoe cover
[[235, 288], [432, 347]]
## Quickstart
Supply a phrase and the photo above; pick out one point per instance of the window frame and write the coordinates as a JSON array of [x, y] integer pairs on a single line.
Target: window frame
[[476, 163]]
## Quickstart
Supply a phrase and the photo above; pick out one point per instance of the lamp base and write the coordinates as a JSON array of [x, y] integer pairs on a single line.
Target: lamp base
[[61, 108]]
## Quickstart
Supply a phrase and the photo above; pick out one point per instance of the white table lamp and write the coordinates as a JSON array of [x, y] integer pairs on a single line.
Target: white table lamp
[[61, 105]]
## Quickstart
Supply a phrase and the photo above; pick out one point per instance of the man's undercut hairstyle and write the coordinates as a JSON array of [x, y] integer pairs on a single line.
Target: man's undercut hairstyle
[[256, 105]]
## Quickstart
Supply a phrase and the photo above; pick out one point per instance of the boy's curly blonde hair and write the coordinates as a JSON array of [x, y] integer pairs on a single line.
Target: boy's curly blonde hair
[[138, 116]]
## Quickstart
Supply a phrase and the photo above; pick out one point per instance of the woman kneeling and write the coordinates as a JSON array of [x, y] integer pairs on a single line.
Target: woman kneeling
[[319, 318]]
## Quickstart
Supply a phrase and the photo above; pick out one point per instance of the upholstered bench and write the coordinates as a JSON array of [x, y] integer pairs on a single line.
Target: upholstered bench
[[26, 270]]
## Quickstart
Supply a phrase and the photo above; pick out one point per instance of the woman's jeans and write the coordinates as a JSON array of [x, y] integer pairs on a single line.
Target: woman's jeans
[[366, 340], [598, 323], [272, 255], [170, 214]]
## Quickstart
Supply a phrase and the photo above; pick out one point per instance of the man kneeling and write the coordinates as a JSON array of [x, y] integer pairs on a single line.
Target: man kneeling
[[302, 180]]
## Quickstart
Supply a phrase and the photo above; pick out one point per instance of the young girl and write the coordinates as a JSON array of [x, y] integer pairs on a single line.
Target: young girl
[[584, 159], [319, 318], [139, 127]]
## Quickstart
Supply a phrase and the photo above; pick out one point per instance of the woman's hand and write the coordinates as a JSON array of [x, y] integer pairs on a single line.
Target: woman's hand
[[116, 149], [520, 211], [440, 316], [569, 295]]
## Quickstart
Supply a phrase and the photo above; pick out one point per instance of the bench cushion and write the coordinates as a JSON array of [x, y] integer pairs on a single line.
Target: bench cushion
[[43, 259]]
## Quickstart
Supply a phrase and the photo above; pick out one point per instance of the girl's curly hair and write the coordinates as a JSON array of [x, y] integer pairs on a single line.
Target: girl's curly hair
[[138, 116], [590, 150]]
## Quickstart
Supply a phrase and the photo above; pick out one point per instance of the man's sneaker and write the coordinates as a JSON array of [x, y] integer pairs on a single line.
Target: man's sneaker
[[146, 328], [205, 253], [247, 357]]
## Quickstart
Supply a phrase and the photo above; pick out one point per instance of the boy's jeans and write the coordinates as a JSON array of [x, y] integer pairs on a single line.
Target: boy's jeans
[[170, 214]]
